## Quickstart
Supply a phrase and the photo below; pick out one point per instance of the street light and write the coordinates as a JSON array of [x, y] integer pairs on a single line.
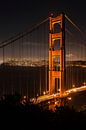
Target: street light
[[73, 85], [44, 93], [84, 83]]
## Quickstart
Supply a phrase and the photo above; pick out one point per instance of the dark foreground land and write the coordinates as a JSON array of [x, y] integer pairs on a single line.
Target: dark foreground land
[[15, 115]]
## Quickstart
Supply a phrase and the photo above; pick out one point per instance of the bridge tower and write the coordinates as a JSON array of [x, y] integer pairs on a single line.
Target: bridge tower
[[57, 54]]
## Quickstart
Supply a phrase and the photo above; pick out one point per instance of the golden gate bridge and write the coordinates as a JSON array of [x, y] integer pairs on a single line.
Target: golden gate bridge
[[46, 61]]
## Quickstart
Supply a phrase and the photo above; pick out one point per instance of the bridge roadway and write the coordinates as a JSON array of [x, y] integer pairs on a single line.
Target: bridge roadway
[[57, 95]]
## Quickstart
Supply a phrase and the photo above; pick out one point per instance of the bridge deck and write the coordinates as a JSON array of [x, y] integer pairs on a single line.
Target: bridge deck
[[57, 95]]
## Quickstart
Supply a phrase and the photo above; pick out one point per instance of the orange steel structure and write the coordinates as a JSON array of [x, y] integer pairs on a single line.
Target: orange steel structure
[[57, 54]]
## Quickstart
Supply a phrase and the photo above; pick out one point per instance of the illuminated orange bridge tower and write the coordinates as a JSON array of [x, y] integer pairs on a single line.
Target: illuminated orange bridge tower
[[57, 54]]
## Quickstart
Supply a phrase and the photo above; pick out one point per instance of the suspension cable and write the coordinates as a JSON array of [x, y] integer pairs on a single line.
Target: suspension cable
[[73, 24], [22, 34]]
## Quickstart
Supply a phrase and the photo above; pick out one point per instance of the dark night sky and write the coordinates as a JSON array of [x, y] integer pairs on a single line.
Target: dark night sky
[[16, 15]]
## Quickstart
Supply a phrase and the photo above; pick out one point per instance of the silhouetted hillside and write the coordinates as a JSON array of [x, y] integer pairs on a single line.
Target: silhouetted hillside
[[15, 114]]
